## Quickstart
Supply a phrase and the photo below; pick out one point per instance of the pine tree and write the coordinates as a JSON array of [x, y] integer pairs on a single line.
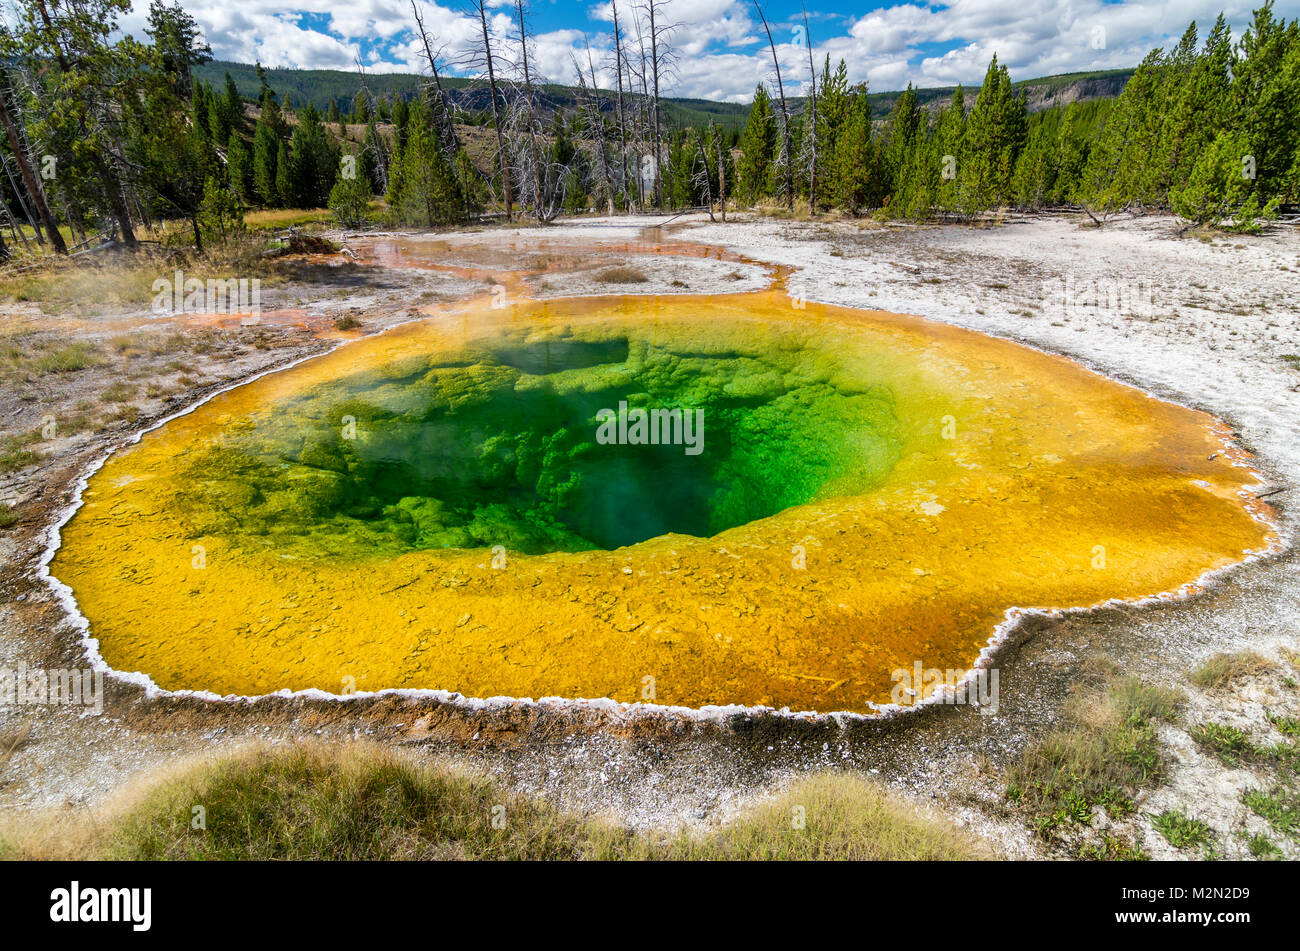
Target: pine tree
[[266, 148], [348, 200], [1266, 102], [995, 132], [949, 151], [858, 174], [758, 150], [239, 164], [1079, 127], [313, 162], [1196, 104], [1036, 169], [1119, 169], [430, 194], [1219, 189], [284, 186], [234, 104], [832, 105]]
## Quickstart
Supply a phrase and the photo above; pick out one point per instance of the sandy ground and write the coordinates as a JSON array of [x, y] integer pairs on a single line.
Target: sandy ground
[[1222, 315]]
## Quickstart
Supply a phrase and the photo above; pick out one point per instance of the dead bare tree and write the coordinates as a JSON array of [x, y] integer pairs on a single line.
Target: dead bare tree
[[662, 62], [643, 114], [480, 7], [530, 115], [786, 158], [373, 141], [448, 142], [810, 138], [701, 174], [622, 114], [594, 120], [722, 169]]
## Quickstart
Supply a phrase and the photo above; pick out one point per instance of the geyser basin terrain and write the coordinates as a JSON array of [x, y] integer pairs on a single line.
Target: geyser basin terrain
[[439, 508]]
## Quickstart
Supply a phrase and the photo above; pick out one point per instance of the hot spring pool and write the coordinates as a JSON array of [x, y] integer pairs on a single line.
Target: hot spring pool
[[476, 504]]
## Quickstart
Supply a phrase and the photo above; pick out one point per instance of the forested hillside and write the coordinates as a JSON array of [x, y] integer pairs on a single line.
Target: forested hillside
[[104, 134], [1208, 130]]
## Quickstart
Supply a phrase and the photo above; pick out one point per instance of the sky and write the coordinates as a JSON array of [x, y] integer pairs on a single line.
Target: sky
[[720, 47]]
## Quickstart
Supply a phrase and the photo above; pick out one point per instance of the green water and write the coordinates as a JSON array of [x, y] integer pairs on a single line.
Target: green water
[[498, 446]]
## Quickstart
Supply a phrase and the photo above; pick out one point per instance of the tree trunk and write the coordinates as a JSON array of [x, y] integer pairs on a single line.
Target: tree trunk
[[785, 113], [532, 118], [29, 179], [722, 177], [446, 128], [496, 112], [812, 75], [654, 115], [113, 192], [622, 116]]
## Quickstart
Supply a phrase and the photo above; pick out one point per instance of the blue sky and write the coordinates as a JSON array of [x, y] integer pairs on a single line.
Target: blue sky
[[719, 45]]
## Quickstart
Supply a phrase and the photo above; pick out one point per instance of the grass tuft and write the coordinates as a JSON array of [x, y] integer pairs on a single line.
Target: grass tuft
[[358, 802], [1105, 754], [1222, 669], [621, 275], [68, 359], [1182, 831], [1279, 807], [1262, 847]]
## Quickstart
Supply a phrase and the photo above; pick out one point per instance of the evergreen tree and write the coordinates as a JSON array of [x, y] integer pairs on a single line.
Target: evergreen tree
[[1266, 102], [857, 171], [1219, 191], [995, 132], [348, 200], [239, 165], [758, 150], [313, 162], [1035, 176], [905, 159], [1196, 103], [284, 186], [832, 105], [430, 194], [1119, 169], [949, 152], [234, 105], [266, 149]]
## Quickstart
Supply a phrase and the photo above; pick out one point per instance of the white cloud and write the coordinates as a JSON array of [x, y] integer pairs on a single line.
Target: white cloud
[[720, 48]]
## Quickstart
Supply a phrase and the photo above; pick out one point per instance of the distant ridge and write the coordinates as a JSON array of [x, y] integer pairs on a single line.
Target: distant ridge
[[320, 86]]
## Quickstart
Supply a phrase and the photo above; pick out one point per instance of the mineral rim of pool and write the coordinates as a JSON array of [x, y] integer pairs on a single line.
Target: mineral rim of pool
[[435, 508]]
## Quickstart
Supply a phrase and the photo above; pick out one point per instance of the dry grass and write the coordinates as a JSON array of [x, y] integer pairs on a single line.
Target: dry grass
[[272, 219], [845, 817], [621, 275], [121, 281], [12, 739], [775, 208], [315, 801], [1222, 669]]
